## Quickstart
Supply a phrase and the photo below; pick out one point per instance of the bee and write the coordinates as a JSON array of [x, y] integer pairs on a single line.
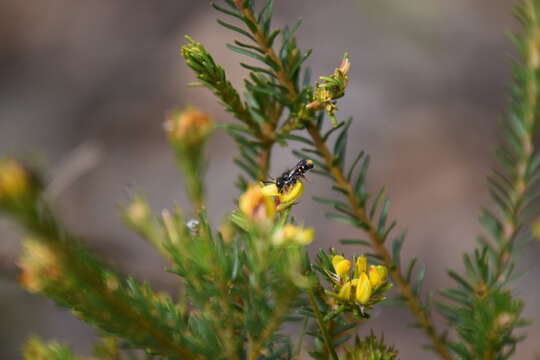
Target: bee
[[290, 177]]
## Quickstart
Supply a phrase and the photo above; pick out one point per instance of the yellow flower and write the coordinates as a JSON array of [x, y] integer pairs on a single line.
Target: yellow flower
[[270, 190], [256, 205], [363, 289], [383, 272], [295, 234], [14, 180], [361, 264], [337, 259], [138, 211], [374, 277], [289, 198], [188, 127], [341, 266], [345, 291], [39, 264], [285, 199]]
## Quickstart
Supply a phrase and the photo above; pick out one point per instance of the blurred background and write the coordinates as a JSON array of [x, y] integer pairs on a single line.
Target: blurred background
[[89, 82]]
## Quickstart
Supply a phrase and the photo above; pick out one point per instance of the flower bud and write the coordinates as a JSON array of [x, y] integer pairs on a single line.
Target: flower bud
[[345, 64], [188, 127], [289, 198], [361, 264], [341, 266], [336, 260], [14, 179], [256, 205], [345, 291], [383, 272], [363, 289], [374, 277], [270, 190], [39, 265], [137, 212], [290, 233]]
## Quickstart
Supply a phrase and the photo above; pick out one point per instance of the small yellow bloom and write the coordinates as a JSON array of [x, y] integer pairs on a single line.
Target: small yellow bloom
[[383, 272], [345, 291], [374, 277], [14, 180], [138, 211], [39, 264], [295, 234], [305, 236], [188, 127], [363, 289], [284, 199], [341, 266], [337, 259], [256, 205], [361, 264], [289, 197], [270, 190]]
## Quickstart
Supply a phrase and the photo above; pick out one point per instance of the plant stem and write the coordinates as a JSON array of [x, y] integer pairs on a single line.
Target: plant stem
[[404, 287], [273, 324], [322, 325], [262, 41], [528, 103]]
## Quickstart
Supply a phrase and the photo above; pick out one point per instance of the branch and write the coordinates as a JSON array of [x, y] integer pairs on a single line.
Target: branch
[[403, 285], [322, 325], [360, 213], [262, 41], [522, 126]]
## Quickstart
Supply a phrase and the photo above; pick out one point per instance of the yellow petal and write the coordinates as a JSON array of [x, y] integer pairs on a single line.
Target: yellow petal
[[305, 237], [374, 277], [363, 289], [383, 272], [342, 268], [361, 264], [291, 233], [345, 291], [13, 179], [256, 205], [270, 190], [336, 260], [293, 194]]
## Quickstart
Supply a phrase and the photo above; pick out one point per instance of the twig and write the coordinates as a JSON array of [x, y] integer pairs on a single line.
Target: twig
[[322, 326]]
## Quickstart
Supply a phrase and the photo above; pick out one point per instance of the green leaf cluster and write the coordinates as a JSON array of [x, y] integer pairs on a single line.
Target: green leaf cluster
[[370, 348]]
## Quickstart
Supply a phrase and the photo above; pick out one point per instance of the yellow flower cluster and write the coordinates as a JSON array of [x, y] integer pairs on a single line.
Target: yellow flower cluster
[[363, 282], [332, 88]]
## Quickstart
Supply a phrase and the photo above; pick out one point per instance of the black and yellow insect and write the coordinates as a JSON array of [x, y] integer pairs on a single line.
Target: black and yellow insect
[[290, 177]]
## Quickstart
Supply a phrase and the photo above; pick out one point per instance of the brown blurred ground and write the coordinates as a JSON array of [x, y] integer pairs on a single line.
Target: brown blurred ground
[[427, 89]]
